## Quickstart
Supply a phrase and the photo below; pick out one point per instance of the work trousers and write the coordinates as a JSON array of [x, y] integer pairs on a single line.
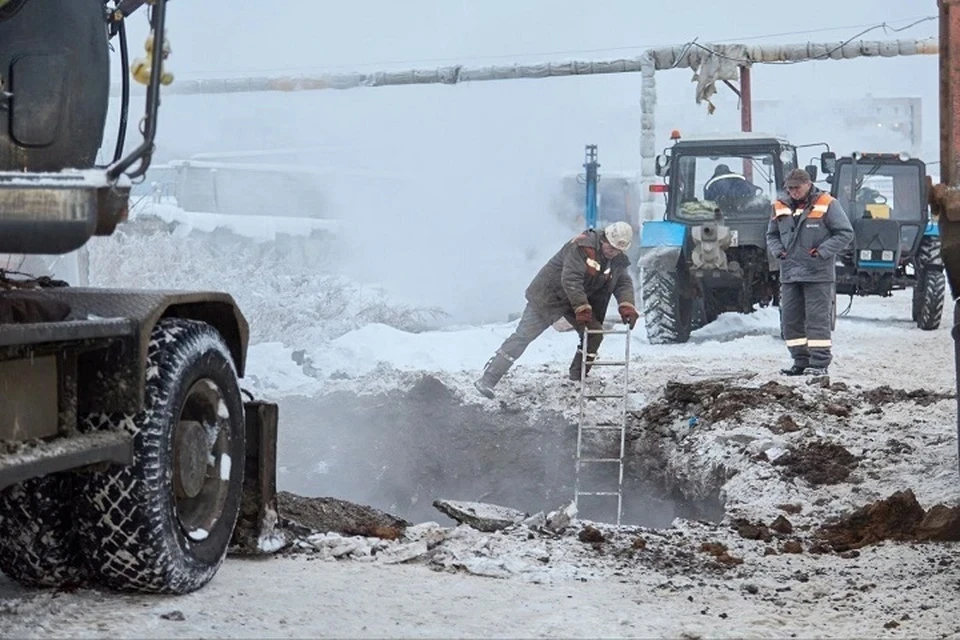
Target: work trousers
[[535, 320], [807, 317]]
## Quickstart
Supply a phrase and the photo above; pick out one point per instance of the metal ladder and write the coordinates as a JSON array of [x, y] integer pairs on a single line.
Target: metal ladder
[[583, 425]]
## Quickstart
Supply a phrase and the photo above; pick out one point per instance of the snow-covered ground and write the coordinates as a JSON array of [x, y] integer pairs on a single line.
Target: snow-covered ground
[[690, 579]]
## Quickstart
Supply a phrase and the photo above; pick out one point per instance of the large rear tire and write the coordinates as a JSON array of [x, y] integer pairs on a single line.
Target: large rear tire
[[163, 524], [930, 288], [667, 311]]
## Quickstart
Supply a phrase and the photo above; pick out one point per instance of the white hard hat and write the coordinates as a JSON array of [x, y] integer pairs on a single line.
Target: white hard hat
[[619, 234]]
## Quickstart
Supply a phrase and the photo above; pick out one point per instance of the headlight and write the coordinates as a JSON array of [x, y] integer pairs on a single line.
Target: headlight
[[865, 254], [887, 256]]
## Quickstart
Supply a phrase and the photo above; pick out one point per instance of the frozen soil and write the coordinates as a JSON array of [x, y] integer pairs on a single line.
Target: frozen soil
[[829, 523]]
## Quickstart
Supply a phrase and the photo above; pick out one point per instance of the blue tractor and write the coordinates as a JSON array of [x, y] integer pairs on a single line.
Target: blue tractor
[[709, 255], [896, 243]]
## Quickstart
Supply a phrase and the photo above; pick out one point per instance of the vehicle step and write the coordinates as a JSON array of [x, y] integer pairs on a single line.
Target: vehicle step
[[65, 453]]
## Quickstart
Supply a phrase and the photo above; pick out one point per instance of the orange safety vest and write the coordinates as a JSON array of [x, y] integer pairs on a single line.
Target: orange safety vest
[[818, 210]]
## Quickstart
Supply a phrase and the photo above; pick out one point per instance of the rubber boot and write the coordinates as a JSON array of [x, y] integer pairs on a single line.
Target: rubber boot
[[577, 364], [593, 346], [795, 370], [496, 366]]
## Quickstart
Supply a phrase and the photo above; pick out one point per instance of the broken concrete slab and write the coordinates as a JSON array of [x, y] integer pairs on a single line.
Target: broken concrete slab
[[559, 520], [401, 553], [480, 515]]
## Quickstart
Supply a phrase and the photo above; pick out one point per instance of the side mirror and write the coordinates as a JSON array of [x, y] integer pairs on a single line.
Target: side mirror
[[828, 162], [812, 170], [661, 165]]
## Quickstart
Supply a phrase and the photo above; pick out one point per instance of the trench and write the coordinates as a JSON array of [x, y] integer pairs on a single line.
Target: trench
[[398, 451]]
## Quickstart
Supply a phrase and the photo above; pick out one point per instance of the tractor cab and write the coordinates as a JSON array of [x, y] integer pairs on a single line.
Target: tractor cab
[[873, 187], [895, 244], [709, 254], [735, 178]]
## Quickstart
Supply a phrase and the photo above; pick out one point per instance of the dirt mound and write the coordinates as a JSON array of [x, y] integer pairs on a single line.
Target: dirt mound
[[818, 463], [715, 400], [304, 516], [887, 395], [899, 517]]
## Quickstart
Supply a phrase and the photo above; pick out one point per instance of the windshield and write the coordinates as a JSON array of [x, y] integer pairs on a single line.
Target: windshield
[[885, 191], [738, 186]]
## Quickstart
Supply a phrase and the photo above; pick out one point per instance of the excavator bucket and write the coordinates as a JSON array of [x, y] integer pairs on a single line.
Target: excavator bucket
[[257, 529]]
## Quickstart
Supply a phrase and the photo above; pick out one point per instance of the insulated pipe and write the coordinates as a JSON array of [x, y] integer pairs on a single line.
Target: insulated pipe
[[689, 56], [673, 57]]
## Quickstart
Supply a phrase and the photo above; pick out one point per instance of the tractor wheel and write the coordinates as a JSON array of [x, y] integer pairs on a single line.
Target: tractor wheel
[[667, 312], [163, 524], [925, 310], [918, 295], [931, 284], [38, 542]]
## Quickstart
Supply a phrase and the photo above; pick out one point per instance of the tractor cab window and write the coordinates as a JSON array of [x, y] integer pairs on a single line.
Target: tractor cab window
[[736, 186], [890, 191], [788, 159]]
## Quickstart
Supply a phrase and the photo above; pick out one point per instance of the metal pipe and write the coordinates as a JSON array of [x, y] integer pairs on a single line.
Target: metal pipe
[[949, 92], [945, 197], [746, 114], [145, 150], [746, 109], [124, 91]]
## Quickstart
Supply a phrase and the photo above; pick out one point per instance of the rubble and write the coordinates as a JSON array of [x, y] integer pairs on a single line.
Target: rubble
[[480, 516], [303, 515]]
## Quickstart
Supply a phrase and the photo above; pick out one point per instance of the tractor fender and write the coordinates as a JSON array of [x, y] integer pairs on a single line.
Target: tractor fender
[[661, 245]]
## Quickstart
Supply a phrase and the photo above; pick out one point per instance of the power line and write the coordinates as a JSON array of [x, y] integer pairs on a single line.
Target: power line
[[637, 47]]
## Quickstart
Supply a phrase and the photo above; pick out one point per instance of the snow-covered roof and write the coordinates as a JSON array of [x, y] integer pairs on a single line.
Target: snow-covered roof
[[733, 135]]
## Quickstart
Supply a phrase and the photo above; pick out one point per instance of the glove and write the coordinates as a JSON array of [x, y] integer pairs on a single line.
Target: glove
[[814, 253], [584, 314], [782, 255], [628, 313]]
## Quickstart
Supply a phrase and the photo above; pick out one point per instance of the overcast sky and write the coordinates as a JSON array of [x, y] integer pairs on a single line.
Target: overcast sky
[[216, 36], [479, 162]]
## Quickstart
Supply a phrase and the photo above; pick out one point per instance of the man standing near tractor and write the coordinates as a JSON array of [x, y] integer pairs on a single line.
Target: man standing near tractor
[[576, 284], [807, 231]]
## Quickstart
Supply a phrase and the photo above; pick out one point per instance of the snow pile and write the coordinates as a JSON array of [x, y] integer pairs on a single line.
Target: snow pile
[[284, 288], [258, 228]]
